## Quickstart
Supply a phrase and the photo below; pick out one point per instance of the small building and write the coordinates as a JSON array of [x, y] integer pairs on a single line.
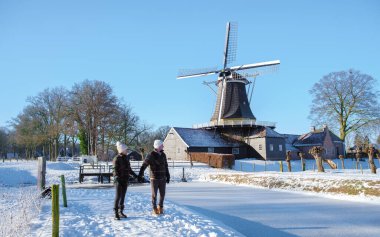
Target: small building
[[269, 144], [332, 144], [179, 142]]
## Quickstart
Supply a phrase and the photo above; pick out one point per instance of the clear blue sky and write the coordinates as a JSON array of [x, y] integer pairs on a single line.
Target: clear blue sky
[[138, 46]]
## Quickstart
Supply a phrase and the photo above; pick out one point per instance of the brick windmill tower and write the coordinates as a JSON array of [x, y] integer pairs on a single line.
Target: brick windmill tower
[[232, 104]]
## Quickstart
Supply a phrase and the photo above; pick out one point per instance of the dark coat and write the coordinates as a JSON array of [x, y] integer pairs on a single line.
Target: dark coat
[[122, 168], [158, 166]]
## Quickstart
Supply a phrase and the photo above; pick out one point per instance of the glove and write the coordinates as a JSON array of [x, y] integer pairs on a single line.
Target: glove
[[140, 179], [167, 179]]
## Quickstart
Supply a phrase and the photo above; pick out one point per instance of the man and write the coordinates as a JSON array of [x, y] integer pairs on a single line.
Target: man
[[122, 171], [159, 175]]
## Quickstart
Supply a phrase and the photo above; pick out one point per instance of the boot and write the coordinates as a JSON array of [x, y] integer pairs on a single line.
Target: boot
[[117, 217], [155, 211], [121, 214], [160, 210]]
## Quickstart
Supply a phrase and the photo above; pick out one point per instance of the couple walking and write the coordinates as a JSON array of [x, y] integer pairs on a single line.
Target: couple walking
[[159, 176]]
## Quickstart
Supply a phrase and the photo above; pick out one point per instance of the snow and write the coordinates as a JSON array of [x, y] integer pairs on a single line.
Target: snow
[[214, 202]]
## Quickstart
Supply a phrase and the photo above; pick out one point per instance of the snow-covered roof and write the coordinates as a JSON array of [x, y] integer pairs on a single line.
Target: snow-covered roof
[[202, 138]]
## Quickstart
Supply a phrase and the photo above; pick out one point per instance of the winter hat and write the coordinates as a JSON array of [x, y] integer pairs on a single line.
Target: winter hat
[[121, 147], [157, 144]]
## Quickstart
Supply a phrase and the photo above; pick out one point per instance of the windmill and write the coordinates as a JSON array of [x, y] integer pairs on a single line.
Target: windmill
[[232, 100]]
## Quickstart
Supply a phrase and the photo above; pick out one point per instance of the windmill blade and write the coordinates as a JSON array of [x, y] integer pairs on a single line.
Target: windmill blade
[[231, 43], [255, 65], [187, 73], [255, 72]]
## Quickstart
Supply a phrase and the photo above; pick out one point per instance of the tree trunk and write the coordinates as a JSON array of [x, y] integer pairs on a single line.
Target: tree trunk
[[288, 158], [318, 160], [372, 165]]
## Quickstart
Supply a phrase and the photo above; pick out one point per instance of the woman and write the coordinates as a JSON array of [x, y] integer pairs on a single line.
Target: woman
[[122, 171]]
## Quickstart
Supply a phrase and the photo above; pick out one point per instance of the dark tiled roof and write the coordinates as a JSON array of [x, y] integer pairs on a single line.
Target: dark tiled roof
[[315, 138], [266, 132], [289, 140], [311, 138], [202, 138]]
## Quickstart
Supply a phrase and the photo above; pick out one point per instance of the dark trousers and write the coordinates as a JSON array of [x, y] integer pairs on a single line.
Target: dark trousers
[[158, 185], [121, 190]]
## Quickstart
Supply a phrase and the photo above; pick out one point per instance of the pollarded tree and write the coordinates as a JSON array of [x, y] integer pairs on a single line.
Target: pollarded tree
[[317, 152], [347, 98]]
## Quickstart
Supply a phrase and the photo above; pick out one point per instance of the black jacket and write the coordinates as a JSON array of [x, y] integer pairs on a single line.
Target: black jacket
[[158, 165], [122, 168]]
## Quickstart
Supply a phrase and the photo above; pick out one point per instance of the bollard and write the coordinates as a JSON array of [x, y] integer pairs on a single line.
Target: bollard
[[241, 166], [265, 166], [55, 209], [41, 173], [183, 175], [63, 191], [281, 166], [361, 168], [253, 166]]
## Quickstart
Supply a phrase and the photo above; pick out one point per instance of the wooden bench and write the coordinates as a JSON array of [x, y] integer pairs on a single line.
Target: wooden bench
[[102, 172]]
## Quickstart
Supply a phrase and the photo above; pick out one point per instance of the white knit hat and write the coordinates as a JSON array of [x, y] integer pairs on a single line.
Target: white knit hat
[[121, 147], [157, 144]]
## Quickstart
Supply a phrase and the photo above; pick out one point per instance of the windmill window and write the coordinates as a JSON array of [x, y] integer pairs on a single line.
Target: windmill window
[[271, 147], [280, 147], [210, 150], [235, 151], [260, 147]]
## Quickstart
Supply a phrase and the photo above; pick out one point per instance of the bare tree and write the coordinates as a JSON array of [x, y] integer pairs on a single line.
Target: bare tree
[[50, 107], [91, 103], [346, 98]]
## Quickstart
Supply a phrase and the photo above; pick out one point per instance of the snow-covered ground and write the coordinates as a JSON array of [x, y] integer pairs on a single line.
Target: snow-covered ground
[[89, 211]]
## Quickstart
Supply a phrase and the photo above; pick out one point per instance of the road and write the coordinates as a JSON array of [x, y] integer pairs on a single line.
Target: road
[[263, 212]]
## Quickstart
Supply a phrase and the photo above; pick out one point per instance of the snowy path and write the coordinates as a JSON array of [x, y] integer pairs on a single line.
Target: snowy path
[[89, 213], [261, 212]]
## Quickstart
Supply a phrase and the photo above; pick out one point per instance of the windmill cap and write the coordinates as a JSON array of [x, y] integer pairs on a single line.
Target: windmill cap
[[157, 144]]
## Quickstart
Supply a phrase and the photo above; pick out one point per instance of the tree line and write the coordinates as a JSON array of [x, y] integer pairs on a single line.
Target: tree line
[[57, 121]]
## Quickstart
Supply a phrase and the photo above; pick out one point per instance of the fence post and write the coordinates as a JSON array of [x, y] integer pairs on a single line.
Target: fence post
[[63, 191], [265, 166], [241, 166], [281, 166], [361, 168], [41, 173], [55, 209], [183, 175]]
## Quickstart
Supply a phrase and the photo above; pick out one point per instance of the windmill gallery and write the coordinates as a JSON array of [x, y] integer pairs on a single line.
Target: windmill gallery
[[233, 129]]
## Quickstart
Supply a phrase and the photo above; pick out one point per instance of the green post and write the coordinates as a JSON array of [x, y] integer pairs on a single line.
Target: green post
[[281, 166], [55, 209], [63, 190]]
